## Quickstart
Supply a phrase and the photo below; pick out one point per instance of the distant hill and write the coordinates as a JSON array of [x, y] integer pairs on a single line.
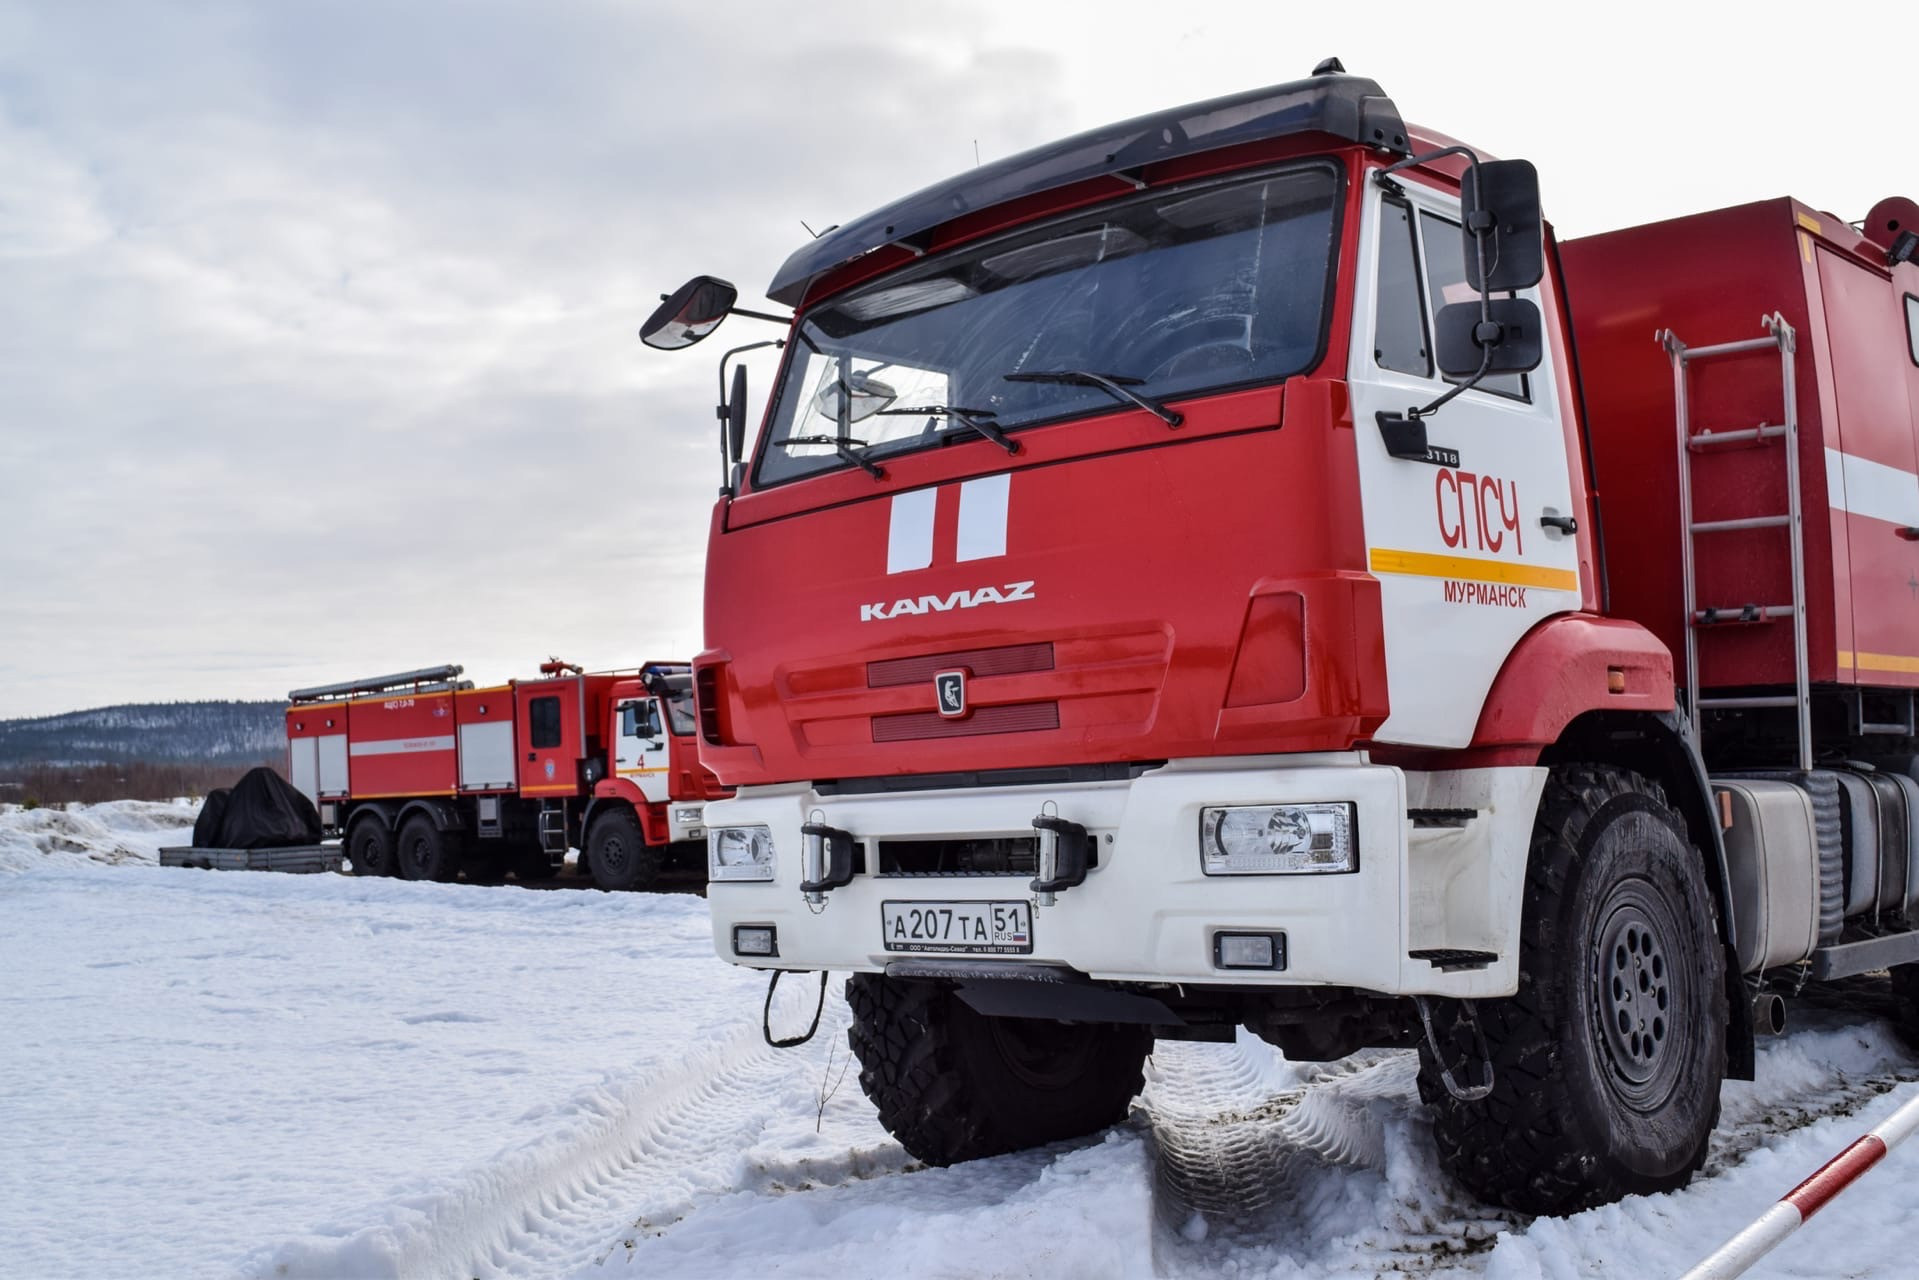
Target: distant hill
[[216, 733]]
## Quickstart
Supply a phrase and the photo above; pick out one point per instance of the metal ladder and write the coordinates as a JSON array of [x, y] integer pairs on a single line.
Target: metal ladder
[[1780, 336], [552, 828]]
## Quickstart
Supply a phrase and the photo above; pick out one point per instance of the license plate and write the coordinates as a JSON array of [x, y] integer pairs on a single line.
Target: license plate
[[987, 928]]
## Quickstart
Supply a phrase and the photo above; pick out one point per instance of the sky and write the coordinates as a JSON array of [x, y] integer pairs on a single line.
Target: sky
[[317, 320]]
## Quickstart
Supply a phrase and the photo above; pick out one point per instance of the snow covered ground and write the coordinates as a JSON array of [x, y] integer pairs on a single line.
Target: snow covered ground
[[245, 1074]]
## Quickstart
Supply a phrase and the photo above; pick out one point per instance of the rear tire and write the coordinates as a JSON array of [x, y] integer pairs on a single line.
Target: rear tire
[[953, 1085], [618, 855], [369, 847], [426, 852], [1608, 1061]]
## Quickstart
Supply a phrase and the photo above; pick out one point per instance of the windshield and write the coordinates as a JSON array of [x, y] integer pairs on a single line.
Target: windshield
[[1173, 293], [679, 710]]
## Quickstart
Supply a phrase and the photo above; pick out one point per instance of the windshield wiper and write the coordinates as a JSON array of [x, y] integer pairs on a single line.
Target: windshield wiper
[[842, 445], [977, 419], [1113, 385]]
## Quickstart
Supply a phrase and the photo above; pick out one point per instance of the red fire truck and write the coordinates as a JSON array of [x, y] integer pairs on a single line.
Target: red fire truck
[[425, 776], [1171, 592]]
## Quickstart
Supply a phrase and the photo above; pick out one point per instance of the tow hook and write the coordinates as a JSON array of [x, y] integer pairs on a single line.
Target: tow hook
[[1064, 850], [1464, 1093], [766, 1014], [826, 859]]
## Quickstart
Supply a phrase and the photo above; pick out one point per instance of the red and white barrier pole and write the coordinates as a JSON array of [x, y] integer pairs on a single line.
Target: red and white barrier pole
[[1809, 1197]]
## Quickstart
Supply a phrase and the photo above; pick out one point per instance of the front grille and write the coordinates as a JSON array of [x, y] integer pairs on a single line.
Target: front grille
[[1004, 856], [1017, 717], [1006, 660]]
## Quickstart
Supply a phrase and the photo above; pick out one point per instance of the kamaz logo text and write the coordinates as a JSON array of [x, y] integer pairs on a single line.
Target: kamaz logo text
[[914, 606]]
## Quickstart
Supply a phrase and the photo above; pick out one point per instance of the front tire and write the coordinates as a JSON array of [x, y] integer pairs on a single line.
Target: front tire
[[952, 1084], [618, 855], [1607, 1062]]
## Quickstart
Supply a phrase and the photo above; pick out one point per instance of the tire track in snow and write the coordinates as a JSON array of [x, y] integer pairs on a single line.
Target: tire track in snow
[[1245, 1173], [1253, 1171], [632, 1160]]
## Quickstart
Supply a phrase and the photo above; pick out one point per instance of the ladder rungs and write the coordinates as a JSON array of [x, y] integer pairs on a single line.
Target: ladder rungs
[[1783, 700], [1705, 439], [1748, 522], [1729, 349], [1740, 613]]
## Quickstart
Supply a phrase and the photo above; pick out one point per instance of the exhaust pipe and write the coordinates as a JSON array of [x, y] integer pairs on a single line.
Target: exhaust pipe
[[1768, 1014]]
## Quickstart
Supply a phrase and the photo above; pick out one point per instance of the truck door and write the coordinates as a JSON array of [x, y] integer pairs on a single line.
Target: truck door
[[641, 754], [1465, 566], [551, 741], [1874, 471]]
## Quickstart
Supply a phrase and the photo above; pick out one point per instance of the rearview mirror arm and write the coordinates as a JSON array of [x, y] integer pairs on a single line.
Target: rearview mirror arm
[[751, 315], [1481, 221]]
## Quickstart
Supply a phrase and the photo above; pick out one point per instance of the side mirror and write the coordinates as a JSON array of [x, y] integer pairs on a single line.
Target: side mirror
[[689, 313], [1514, 335], [1507, 218], [736, 415]]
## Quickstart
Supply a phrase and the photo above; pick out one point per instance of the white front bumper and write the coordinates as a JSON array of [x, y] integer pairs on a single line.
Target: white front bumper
[[1146, 913]]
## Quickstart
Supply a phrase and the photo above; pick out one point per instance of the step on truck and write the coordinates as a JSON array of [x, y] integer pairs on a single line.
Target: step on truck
[[1171, 592], [424, 776]]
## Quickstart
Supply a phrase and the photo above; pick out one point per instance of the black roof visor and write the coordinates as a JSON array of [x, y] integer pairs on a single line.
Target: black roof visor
[[1350, 107]]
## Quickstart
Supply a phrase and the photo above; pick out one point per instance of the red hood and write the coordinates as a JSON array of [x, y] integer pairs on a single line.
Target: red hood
[[1117, 591]]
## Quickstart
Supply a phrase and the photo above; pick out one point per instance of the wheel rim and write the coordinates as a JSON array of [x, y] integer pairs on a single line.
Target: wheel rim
[[613, 855], [1638, 997], [1044, 1055]]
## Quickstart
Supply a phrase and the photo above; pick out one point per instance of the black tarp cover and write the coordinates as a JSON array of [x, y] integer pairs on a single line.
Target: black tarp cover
[[206, 828], [262, 811]]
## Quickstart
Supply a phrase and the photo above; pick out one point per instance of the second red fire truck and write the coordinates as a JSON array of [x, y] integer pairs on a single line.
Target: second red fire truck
[[427, 777]]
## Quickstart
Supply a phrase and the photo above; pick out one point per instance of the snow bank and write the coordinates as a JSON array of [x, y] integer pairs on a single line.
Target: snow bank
[[116, 832]]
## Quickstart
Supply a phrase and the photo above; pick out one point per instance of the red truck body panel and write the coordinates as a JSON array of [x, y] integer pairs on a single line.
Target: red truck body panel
[[1710, 278], [402, 745]]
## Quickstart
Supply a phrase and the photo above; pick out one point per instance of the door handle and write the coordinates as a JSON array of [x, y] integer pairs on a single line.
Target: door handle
[[1565, 524], [531, 756]]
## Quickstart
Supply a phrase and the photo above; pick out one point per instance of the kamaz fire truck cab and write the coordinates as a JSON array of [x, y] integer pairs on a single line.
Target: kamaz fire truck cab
[[1164, 596]]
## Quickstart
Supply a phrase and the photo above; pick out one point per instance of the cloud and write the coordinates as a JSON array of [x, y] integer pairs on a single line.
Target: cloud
[[320, 317]]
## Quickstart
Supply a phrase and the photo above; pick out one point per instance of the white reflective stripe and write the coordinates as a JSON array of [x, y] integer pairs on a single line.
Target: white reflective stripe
[[909, 538], [400, 746], [1867, 488], [1736, 1256], [982, 517]]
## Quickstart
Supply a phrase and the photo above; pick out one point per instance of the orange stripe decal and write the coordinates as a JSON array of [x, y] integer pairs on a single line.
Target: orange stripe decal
[[1424, 564]]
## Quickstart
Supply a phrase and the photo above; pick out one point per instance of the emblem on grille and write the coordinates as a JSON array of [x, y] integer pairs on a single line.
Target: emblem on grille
[[949, 692]]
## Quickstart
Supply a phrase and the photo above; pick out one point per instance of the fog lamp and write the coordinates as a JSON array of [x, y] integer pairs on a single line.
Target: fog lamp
[[755, 940], [1278, 839], [690, 816], [1249, 951]]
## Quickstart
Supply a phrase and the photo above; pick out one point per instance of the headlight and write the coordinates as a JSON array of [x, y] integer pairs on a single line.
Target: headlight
[[1278, 839], [739, 853], [689, 816]]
